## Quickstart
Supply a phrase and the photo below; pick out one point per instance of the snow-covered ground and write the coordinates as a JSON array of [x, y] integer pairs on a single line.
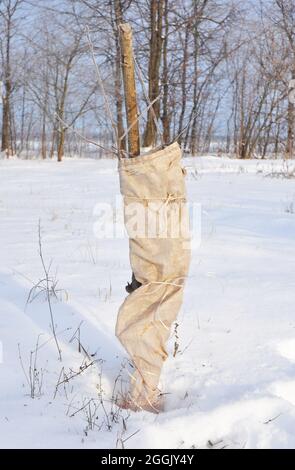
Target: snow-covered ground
[[232, 382]]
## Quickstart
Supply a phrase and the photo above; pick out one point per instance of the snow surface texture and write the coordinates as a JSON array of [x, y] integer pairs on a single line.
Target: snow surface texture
[[232, 381]]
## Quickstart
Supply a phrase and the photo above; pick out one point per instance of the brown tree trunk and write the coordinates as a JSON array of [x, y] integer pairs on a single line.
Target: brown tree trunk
[[6, 118], [61, 108], [290, 137], [118, 78], [193, 134], [156, 17], [61, 144], [23, 116], [43, 137], [12, 127], [53, 139], [130, 89], [5, 145], [183, 82], [291, 123], [165, 78]]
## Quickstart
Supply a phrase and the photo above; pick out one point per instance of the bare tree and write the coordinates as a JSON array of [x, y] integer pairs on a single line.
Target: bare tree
[[284, 19], [8, 12]]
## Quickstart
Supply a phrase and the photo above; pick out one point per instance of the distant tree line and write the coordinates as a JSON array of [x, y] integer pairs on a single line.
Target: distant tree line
[[221, 74]]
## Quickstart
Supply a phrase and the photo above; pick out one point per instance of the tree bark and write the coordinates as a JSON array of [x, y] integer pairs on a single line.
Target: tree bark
[[291, 123], [6, 132], [165, 78], [43, 137], [61, 144], [183, 82], [5, 145], [130, 89], [156, 17], [118, 77]]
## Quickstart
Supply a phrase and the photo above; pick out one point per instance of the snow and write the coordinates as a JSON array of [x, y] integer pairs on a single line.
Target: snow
[[232, 383]]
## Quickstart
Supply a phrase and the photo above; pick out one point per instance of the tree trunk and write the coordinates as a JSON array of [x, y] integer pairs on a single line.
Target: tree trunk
[[23, 118], [195, 89], [183, 82], [291, 123], [53, 139], [5, 145], [43, 137], [118, 78], [130, 89], [156, 16], [6, 131], [165, 78], [290, 137], [61, 144]]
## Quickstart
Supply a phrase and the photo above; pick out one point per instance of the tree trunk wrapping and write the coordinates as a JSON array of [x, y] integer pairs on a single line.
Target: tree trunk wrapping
[[155, 183]]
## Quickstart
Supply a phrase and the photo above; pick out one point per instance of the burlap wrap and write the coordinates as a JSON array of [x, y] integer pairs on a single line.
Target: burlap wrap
[[160, 263]]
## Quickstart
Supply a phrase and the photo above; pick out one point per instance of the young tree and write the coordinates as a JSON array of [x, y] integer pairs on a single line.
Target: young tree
[[8, 13], [284, 19]]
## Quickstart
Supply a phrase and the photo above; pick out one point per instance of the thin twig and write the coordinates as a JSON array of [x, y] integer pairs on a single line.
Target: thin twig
[[89, 141], [272, 419], [100, 81], [22, 365], [75, 374], [140, 114], [131, 435], [46, 271], [184, 128]]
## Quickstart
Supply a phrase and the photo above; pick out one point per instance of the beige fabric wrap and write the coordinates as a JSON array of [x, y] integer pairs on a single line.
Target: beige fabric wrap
[[160, 264]]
